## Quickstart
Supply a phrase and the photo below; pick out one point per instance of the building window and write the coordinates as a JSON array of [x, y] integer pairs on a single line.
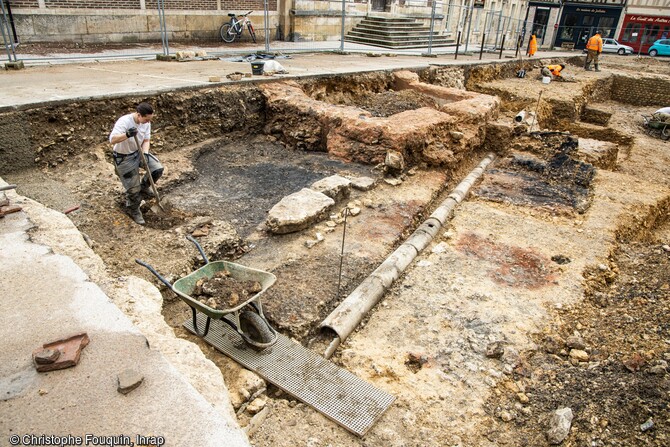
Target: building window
[[650, 34], [568, 31], [450, 10]]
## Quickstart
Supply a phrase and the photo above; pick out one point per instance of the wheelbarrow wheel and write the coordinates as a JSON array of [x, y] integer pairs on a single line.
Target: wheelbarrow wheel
[[256, 328]]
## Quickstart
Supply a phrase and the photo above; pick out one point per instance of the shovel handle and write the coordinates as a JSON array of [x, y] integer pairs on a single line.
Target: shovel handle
[[152, 270], [146, 167]]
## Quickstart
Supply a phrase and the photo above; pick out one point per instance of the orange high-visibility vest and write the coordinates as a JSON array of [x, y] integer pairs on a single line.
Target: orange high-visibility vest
[[555, 69], [595, 43], [533, 45]]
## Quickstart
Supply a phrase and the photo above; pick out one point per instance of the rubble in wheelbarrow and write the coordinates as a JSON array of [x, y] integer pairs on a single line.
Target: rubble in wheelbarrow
[[222, 291]]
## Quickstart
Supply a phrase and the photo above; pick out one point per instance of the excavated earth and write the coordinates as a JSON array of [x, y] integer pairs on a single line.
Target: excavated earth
[[548, 289]]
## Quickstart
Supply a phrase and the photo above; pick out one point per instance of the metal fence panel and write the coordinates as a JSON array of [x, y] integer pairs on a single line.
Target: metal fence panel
[[419, 27]]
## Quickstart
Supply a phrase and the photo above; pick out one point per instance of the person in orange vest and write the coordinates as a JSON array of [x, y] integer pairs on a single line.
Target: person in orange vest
[[593, 47], [553, 71], [532, 45]]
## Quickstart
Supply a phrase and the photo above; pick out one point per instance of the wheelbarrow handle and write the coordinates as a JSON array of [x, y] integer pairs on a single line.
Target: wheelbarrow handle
[[152, 270], [202, 252]]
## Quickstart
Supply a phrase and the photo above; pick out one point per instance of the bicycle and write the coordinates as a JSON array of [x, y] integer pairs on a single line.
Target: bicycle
[[233, 29]]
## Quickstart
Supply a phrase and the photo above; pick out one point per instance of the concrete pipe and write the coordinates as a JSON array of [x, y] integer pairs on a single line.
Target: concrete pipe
[[348, 315]]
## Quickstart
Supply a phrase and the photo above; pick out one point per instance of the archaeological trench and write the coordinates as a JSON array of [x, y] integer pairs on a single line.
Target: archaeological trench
[[463, 328]]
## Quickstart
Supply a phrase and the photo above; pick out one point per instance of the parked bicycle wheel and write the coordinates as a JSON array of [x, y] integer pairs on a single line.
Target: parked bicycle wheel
[[252, 33], [227, 33]]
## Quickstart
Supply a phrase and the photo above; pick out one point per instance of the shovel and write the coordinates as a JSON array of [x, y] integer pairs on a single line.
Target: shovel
[[151, 178]]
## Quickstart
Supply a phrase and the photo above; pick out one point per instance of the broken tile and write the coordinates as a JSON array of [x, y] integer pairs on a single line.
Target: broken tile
[[47, 356], [4, 210], [70, 349]]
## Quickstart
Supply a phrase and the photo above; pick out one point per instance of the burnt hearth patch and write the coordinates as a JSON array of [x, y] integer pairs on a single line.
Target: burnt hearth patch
[[512, 266], [553, 181]]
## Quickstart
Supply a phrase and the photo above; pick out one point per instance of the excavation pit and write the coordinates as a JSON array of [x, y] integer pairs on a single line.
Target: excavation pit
[[438, 308]]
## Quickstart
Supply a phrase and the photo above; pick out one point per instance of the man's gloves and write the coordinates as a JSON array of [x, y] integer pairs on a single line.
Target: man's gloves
[[131, 132]]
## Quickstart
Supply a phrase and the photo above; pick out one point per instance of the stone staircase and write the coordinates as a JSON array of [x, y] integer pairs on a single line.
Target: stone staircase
[[396, 33]]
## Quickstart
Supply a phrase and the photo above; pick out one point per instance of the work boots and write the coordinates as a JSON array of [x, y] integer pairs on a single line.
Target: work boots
[[137, 216], [133, 202], [597, 69], [587, 66]]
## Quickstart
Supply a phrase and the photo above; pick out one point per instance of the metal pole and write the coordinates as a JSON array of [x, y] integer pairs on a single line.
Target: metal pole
[[160, 25], [481, 50], [432, 28], [266, 24], [467, 37], [9, 45], [342, 26], [458, 43], [163, 26], [502, 45], [10, 24], [161, 16], [344, 232], [498, 30]]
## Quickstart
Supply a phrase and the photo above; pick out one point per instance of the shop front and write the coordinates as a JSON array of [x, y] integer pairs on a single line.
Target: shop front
[[580, 21], [640, 31]]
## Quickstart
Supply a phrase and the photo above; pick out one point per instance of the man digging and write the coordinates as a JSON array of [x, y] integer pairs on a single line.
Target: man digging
[[129, 131]]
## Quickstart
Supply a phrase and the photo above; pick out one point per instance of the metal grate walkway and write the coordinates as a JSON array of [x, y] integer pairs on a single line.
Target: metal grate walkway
[[335, 392]]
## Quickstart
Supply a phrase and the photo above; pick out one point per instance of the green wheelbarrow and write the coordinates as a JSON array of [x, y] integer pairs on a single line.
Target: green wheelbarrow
[[656, 128], [246, 318]]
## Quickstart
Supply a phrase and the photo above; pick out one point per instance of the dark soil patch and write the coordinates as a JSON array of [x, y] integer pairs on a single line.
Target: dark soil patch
[[303, 294], [241, 181], [391, 102]]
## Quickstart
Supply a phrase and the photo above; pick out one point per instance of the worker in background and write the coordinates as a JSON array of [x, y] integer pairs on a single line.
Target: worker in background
[[553, 71], [593, 47], [532, 46]]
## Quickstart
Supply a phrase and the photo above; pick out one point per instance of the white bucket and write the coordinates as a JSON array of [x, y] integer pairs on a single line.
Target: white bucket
[[546, 79]]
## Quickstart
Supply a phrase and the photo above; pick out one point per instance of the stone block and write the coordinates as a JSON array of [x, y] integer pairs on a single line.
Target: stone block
[[173, 23], [336, 187], [211, 21], [17, 65], [104, 24], [50, 25], [602, 154], [298, 211]]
